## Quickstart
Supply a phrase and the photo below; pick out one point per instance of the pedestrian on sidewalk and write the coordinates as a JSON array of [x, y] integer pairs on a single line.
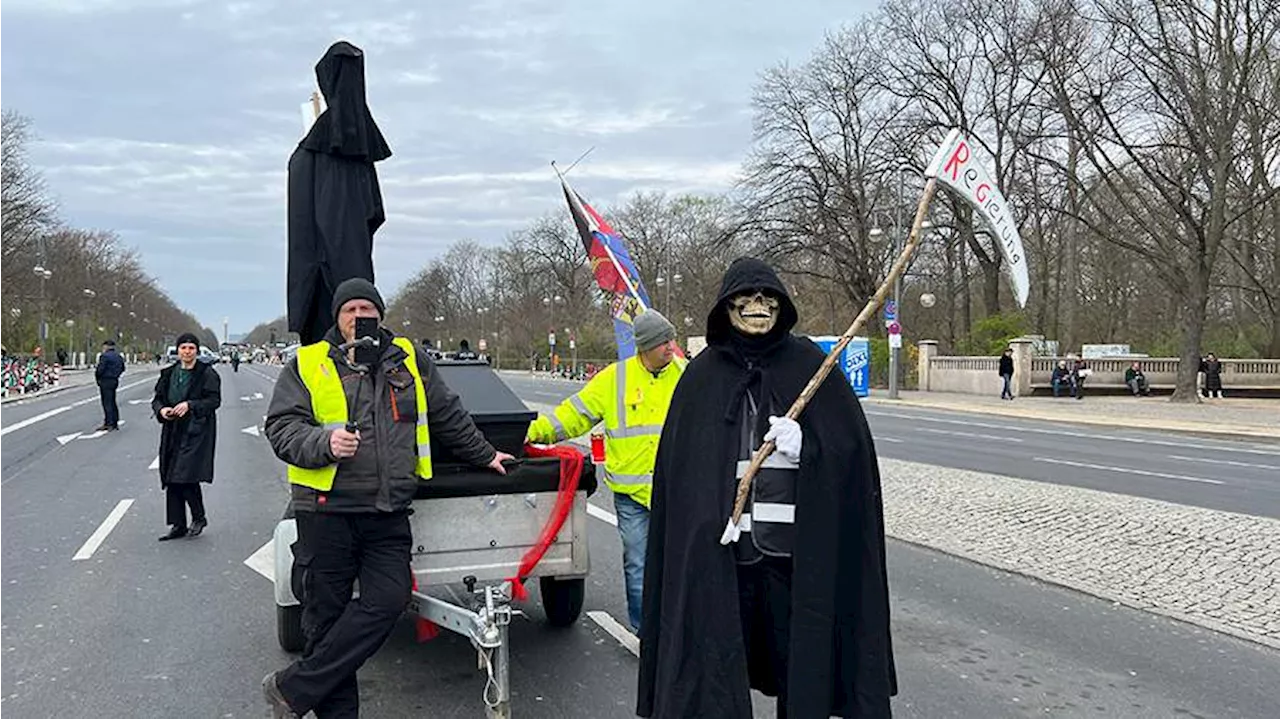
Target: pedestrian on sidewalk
[[1212, 369], [186, 401], [107, 374], [1006, 373], [1136, 380]]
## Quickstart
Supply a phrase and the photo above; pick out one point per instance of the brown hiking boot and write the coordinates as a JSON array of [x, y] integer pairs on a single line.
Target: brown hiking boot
[[280, 708]]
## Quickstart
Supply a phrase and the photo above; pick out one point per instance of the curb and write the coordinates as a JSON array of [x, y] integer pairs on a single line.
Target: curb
[[1197, 621], [1218, 431], [41, 393]]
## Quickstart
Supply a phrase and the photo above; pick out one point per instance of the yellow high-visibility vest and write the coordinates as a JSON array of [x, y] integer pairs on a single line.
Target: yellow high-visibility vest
[[633, 405], [329, 407]]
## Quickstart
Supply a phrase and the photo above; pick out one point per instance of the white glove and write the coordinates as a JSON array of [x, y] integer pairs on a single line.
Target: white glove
[[786, 436]]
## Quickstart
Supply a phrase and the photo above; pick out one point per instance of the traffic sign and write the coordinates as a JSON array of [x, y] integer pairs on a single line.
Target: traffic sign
[[894, 328], [890, 311]]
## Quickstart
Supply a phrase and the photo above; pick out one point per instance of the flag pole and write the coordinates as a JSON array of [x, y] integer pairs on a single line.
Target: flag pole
[[731, 530], [617, 266]]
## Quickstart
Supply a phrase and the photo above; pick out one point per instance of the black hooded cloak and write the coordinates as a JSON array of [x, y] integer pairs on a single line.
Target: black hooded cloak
[[335, 203], [694, 660]]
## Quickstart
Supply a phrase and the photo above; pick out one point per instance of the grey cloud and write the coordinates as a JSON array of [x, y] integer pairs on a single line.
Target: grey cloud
[[170, 121]]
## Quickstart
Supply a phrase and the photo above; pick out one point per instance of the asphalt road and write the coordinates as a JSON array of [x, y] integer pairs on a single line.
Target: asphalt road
[[187, 629], [1234, 476]]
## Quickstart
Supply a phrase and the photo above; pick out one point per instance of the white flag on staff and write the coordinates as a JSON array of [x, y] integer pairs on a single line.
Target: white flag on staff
[[955, 167]]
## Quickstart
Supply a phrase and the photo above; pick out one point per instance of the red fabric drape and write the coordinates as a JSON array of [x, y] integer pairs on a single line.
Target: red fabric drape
[[570, 472]]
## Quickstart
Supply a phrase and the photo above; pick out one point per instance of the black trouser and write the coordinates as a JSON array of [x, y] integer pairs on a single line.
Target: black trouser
[[332, 551], [110, 412], [177, 496], [764, 603]]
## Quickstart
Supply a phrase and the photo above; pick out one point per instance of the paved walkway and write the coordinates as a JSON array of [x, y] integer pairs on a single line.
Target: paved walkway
[[1215, 569], [1251, 418]]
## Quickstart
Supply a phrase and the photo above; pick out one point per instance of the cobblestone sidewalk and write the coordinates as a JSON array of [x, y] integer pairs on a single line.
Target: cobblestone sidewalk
[[1215, 569]]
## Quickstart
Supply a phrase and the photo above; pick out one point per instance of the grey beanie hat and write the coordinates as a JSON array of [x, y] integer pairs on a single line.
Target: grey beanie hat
[[357, 288], [651, 330]]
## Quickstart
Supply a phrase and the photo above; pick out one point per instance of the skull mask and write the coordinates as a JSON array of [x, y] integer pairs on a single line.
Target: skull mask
[[753, 313]]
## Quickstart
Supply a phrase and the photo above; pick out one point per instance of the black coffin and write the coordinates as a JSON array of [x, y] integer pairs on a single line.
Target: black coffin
[[495, 409]]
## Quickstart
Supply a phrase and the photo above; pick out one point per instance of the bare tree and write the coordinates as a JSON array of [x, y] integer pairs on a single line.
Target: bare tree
[[1160, 141]]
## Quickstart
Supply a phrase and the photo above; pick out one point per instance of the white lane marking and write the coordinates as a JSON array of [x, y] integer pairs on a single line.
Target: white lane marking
[[138, 401], [257, 395], [1126, 470], [245, 398], [1227, 462], [251, 429], [64, 438], [969, 434], [887, 439], [155, 463], [1061, 433], [59, 410], [619, 632], [263, 561], [601, 514], [99, 535]]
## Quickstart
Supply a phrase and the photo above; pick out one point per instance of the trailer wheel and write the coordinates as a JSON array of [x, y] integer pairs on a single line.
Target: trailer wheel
[[562, 599], [289, 628]]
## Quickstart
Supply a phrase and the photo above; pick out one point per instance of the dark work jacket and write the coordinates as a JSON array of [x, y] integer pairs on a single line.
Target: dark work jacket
[[110, 367], [187, 445], [1006, 366], [381, 477]]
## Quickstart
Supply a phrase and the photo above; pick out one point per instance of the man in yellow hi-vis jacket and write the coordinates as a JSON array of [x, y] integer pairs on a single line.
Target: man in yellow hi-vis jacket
[[356, 444], [631, 398]]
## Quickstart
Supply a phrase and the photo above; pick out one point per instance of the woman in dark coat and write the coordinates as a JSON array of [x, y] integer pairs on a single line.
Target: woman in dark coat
[[187, 396], [1212, 369]]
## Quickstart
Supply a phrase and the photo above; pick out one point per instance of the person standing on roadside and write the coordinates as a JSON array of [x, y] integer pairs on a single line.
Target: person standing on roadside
[[107, 374], [1006, 374], [186, 400]]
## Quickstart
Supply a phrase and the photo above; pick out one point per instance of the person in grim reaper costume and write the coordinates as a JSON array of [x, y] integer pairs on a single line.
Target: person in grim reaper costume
[[798, 606], [335, 202]]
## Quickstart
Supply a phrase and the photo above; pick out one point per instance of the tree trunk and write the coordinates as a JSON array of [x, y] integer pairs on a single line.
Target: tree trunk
[[1274, 349], [1192, 321], [1070, 268]]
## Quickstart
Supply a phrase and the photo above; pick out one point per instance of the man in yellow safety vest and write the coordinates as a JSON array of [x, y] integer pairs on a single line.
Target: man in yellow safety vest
[[631, 398], [357, 440]]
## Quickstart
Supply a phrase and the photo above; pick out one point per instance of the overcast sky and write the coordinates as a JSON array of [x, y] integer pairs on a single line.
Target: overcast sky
[[171, 121]]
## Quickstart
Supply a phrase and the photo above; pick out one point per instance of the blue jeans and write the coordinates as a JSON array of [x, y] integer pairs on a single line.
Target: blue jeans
[[633, 526]]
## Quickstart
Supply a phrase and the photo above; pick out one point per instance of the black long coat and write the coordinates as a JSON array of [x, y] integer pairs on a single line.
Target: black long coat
[[694, 661], [187, 444]]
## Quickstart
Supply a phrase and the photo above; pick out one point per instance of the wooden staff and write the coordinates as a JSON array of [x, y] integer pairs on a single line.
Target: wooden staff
[[873, 304]]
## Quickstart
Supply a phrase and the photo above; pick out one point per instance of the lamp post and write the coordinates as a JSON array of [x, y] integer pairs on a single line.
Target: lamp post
[[44, 274]]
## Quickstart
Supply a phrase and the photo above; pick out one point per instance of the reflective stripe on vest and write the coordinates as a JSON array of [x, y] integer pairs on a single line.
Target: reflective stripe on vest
[[319, 374], [630, 446]]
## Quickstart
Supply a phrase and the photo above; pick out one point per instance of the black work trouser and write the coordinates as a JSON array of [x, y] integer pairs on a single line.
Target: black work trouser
[[179, 496], [764, 604], [110, 410], [333, 550]]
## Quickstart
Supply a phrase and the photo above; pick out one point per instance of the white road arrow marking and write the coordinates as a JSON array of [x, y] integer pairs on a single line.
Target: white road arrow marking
[[155, 463], [95, 435], [263, 561], [251, 429], [67, 438], [257, 395], [246, 398], [138, 401]]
